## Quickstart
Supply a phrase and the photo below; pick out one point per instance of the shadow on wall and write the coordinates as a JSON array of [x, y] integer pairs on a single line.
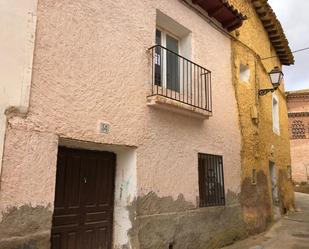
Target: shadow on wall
[[286, 193], [256, 203], [256, 200]]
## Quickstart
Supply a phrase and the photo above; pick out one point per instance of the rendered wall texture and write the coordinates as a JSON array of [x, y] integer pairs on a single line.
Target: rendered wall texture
[[299, 164], [259, 143], [18, 22], [92, 64], [27, 188], [298, 101], [298, 108]]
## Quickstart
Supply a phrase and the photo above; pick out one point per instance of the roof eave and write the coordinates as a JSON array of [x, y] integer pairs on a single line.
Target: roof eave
[[225, 13], [275, 31]]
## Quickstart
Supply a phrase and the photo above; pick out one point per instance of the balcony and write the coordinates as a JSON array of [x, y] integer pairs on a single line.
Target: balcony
[[179, 84]]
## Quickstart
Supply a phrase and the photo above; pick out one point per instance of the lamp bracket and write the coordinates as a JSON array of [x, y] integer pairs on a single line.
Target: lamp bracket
[[263, 92]]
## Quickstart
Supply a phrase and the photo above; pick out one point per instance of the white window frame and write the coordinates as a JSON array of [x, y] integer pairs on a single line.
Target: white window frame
[[164, 32], [275, 114], [244, 75]]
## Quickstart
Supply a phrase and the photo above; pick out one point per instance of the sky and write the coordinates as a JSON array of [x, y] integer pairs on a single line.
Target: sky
[[294, 17]]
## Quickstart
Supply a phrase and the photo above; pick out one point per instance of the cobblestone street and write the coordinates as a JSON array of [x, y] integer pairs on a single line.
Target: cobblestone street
[[291, 232]]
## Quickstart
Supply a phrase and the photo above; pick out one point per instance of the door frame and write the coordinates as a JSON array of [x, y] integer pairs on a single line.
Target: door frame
[[273, 182], [125, 182], [165, 32]]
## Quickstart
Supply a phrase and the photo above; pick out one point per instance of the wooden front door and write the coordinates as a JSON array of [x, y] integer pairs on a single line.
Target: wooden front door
[[83, 214]]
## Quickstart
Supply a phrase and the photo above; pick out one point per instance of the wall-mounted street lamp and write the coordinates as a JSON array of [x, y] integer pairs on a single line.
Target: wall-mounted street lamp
[[276, 76]]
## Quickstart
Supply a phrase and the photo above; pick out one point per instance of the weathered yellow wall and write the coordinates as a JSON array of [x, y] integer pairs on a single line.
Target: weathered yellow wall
[[259, 143]]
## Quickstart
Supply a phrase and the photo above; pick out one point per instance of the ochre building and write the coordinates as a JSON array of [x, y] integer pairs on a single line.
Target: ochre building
[[298, 108], [137, 124], [259, 46]]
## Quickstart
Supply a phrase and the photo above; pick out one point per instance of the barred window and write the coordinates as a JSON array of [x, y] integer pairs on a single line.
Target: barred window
[[298, 130], [211, 180]]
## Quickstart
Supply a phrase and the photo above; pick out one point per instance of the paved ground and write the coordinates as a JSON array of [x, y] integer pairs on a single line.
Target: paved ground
[[291, 232]]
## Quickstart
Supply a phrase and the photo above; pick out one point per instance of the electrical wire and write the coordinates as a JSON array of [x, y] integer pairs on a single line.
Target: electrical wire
[[299, 50], [293, 52]]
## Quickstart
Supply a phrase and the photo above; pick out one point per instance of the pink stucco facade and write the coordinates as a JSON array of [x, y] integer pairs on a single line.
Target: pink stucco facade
[[91, 65]]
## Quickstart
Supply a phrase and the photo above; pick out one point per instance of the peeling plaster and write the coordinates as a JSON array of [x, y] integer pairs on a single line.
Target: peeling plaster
[[25, 227], [157, 222]]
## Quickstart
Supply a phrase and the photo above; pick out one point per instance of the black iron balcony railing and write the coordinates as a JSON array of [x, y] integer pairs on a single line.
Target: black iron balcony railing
[[180, 79]]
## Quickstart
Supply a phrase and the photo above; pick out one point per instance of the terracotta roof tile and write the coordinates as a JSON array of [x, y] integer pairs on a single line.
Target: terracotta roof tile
[[223, 12]]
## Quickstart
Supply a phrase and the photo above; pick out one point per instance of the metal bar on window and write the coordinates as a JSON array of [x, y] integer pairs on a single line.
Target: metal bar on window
[[211, 180]]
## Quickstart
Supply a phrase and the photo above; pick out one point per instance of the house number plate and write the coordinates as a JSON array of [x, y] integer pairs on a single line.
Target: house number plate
[[104, 128]]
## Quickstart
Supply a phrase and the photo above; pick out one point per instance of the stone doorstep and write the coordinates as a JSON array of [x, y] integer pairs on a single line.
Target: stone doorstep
[[165, 103]]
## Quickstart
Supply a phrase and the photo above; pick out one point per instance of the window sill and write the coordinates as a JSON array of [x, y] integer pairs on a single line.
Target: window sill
[[165, 103]]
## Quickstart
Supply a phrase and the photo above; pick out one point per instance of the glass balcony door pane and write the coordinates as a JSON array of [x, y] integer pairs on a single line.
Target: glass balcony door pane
[[172, 64]]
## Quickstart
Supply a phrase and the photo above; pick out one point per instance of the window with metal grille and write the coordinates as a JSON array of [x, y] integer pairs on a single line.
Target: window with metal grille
[[298, 130], [211, 180]]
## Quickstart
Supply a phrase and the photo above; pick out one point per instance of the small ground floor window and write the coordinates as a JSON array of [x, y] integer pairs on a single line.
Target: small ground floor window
[[211, 180]]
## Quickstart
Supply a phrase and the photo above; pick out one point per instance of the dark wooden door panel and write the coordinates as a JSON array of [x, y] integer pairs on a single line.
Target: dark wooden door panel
[[72, 238], [66, 239], [55, 241], [83, 214], [97, 238]]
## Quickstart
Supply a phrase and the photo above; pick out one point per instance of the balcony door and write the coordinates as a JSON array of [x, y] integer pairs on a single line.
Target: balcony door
[[167, 61]]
